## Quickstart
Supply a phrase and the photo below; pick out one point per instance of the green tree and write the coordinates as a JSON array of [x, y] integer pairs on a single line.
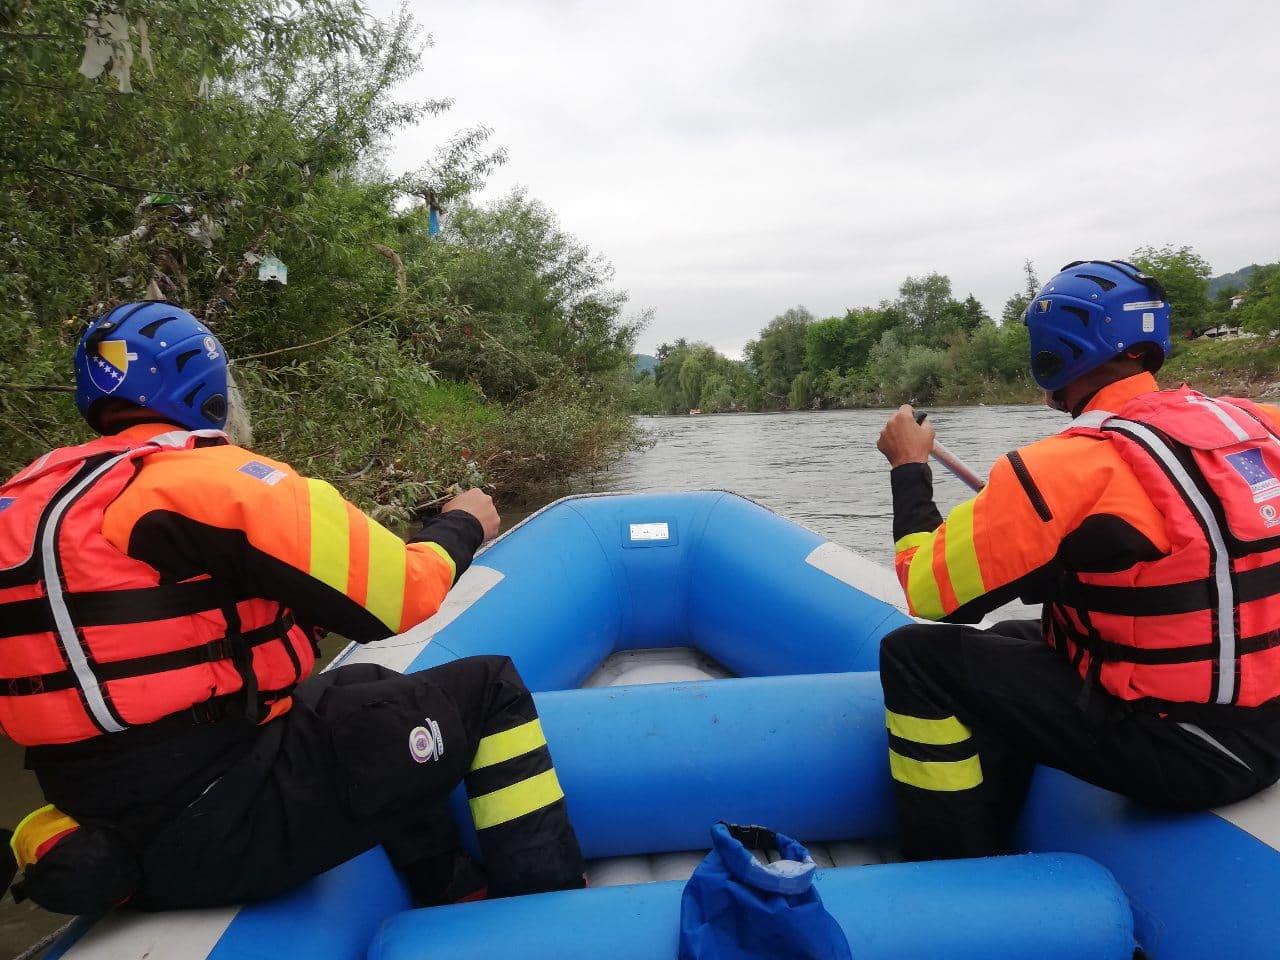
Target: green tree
[[255, 127], [800, 396], [717, 394], [778, 354], [1184, 274], [1260, 310], [1015, 307]]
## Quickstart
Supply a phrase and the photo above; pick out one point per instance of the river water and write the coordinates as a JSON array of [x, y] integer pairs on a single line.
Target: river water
[[820, 469]]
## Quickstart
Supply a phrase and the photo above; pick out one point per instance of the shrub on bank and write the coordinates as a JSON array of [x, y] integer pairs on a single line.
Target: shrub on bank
[[395, 362]]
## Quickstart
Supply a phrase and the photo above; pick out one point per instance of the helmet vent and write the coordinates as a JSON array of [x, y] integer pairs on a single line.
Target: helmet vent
[[1046, 364], [1103, 282], [150, 329], [1079, 313], [186, 356], [1075, 350], [215, 408], [190, 398]]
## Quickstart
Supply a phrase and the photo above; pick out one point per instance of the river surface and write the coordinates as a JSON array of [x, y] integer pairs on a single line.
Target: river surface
[[820, 469]]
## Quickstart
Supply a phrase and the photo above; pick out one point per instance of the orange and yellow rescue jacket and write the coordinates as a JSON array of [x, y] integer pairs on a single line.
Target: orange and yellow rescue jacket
[[1150, 527], [161, 574]]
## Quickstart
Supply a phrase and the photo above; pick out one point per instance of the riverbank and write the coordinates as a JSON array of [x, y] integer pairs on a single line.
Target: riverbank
[[1241, 368], [1248, 367]]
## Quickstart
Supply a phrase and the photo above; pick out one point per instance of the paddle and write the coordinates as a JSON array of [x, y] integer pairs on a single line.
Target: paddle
[[954, 463]]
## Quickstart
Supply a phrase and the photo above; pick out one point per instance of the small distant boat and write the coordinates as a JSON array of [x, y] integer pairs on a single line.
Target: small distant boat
[[695, 412], [697, 657]]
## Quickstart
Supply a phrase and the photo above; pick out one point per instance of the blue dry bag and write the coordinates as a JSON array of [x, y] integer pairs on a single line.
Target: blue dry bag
[[737, 908]]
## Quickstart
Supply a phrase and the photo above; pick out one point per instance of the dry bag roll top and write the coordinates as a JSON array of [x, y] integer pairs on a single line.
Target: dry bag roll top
[[736, 907]]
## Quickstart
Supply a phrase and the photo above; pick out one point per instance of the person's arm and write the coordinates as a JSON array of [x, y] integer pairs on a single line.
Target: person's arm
[[989, 550], [1006, 541], [267, 531]]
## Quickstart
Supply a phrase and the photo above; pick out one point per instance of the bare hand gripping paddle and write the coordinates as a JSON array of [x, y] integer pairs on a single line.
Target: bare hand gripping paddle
[[954, 463]]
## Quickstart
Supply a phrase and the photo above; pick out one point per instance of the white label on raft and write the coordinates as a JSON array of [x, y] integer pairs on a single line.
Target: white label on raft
[[650, 531]]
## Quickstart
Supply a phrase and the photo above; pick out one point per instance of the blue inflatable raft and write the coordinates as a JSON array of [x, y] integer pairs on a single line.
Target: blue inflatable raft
[[697, 658]]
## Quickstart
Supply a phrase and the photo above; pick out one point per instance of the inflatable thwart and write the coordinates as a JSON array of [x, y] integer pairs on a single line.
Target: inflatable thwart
[[603, 592]]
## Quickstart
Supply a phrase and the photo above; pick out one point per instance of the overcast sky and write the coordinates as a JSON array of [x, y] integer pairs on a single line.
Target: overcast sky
[[733, 159]]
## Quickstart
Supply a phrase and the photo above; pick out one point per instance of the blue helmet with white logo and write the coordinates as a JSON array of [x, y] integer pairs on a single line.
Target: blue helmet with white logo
[[154, 355], [1091, 312]]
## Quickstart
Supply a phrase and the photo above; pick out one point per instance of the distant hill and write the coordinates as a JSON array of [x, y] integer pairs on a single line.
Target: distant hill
[[642, 362], [1238, 280]]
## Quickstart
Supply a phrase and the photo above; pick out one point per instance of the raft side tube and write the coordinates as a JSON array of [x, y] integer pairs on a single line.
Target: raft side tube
[[594, 575], [1048, 906], [1201, 886]]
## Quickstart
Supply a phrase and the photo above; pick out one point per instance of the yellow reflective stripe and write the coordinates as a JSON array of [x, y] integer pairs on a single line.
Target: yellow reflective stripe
[[385, 599], [922, 588], [962, 555], [34, 829], [941, 775], [330, 538], [444, 555], [509, 743], [912, 540], [936, 733], [494, 809]]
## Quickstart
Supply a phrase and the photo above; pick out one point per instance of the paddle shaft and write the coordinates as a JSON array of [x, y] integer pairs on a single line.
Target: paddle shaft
[[954, 463]]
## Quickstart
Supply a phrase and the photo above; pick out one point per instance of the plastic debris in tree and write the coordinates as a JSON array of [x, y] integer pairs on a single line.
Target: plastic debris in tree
[[273, 270], [144, 43], [433, 212], [107, 44]]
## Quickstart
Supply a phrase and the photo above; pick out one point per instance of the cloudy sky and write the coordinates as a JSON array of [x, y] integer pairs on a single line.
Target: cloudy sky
[[733, 159]]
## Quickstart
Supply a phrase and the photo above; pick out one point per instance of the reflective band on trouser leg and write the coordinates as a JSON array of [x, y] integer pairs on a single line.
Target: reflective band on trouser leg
[[939, 775], [962, 555], [920, 730], [498, 747], [330, 539], [517, 800]]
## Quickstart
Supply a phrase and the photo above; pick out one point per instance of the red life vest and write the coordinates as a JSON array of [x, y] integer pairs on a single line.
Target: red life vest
[[1201, 625], [93, 642]]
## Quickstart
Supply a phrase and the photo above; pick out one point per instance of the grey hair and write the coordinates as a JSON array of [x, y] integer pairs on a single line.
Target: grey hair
[[239, 424]]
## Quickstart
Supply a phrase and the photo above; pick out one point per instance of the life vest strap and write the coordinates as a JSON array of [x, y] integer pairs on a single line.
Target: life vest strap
[[214, 651], [1174, 598], [1162, 656], [110, 607]]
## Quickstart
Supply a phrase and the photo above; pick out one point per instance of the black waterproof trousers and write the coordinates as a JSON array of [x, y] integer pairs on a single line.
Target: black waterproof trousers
[[970, 712], [367, 756]]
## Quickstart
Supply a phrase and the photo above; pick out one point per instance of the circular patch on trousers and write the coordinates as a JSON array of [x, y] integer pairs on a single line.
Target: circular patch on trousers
[[422, 745]]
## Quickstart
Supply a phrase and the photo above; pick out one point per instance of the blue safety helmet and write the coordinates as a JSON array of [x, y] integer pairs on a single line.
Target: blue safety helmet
[[155, 355], [1091, 312]]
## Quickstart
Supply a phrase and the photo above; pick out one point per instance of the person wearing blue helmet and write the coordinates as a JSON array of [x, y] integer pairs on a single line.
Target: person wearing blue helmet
[[1149, 529], [162, 593], [150, 360]]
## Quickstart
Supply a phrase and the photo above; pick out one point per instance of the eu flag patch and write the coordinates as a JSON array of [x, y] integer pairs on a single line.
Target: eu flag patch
[[6, 503], [1253, 469], [261, 471]]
